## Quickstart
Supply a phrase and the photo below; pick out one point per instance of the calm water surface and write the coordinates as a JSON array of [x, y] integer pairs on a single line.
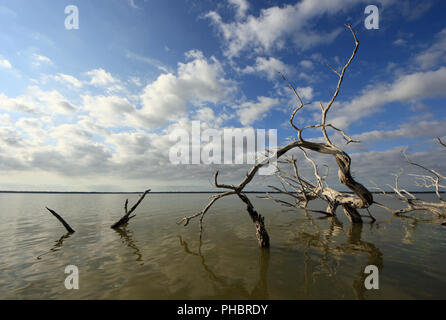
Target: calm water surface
[[154, 258]]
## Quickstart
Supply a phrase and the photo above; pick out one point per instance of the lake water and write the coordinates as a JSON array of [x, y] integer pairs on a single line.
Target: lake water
[[154, 258]]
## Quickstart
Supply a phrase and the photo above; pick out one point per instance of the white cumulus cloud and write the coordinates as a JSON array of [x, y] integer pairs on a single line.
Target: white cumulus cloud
[[197, 81], [269, 67], [409, 87], [250, 112], [274, 26]]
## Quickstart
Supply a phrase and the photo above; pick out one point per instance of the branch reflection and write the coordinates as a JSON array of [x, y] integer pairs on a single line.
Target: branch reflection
[[127, 238], [57, 246], [260, 290], [324, 241]]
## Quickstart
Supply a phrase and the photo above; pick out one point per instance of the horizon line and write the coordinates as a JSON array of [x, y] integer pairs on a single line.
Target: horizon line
[[159, 192]]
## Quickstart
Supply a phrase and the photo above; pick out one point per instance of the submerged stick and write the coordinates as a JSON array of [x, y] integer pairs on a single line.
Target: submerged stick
[[127, 214], [65, 224]]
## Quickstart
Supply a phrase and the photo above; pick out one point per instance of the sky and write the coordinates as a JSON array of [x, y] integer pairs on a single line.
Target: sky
[[97, 108]]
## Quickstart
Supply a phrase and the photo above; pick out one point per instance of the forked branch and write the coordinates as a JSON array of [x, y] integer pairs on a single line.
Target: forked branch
[[127, 213]]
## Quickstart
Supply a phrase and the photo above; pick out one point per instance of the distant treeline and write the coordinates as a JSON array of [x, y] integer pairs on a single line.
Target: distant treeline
[[170, 192]]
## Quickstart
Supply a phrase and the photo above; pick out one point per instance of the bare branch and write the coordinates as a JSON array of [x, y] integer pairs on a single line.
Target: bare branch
[[334, 71], [214, 198], [413, 202], [338, 87], [295, 110], [64, 223], [127, 213]]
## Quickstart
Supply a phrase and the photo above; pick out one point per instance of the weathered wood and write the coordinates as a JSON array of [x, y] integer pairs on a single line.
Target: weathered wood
[[259, 221], [361, 198], [65, 224], [125, 219], [429, 181]]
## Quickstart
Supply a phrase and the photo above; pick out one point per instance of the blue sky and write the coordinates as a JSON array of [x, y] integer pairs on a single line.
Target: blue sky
[[93, 108]]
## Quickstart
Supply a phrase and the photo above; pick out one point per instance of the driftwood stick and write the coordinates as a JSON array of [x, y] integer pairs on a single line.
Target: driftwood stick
[[65, 224], [127, 213]]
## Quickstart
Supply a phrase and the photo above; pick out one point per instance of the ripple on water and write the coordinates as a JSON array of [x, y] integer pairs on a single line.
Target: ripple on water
[[153, 257]]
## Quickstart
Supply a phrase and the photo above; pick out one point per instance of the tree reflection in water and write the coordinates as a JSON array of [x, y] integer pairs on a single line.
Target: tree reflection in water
[[57, 246], [411, 223], [127, 238], [260, 290], [322, 240], [326, 243]]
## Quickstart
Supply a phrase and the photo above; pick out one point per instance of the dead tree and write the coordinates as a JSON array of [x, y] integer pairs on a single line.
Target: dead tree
[[360, 199], [127, 213], [302, 191], [65, 224], [431, 181]]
